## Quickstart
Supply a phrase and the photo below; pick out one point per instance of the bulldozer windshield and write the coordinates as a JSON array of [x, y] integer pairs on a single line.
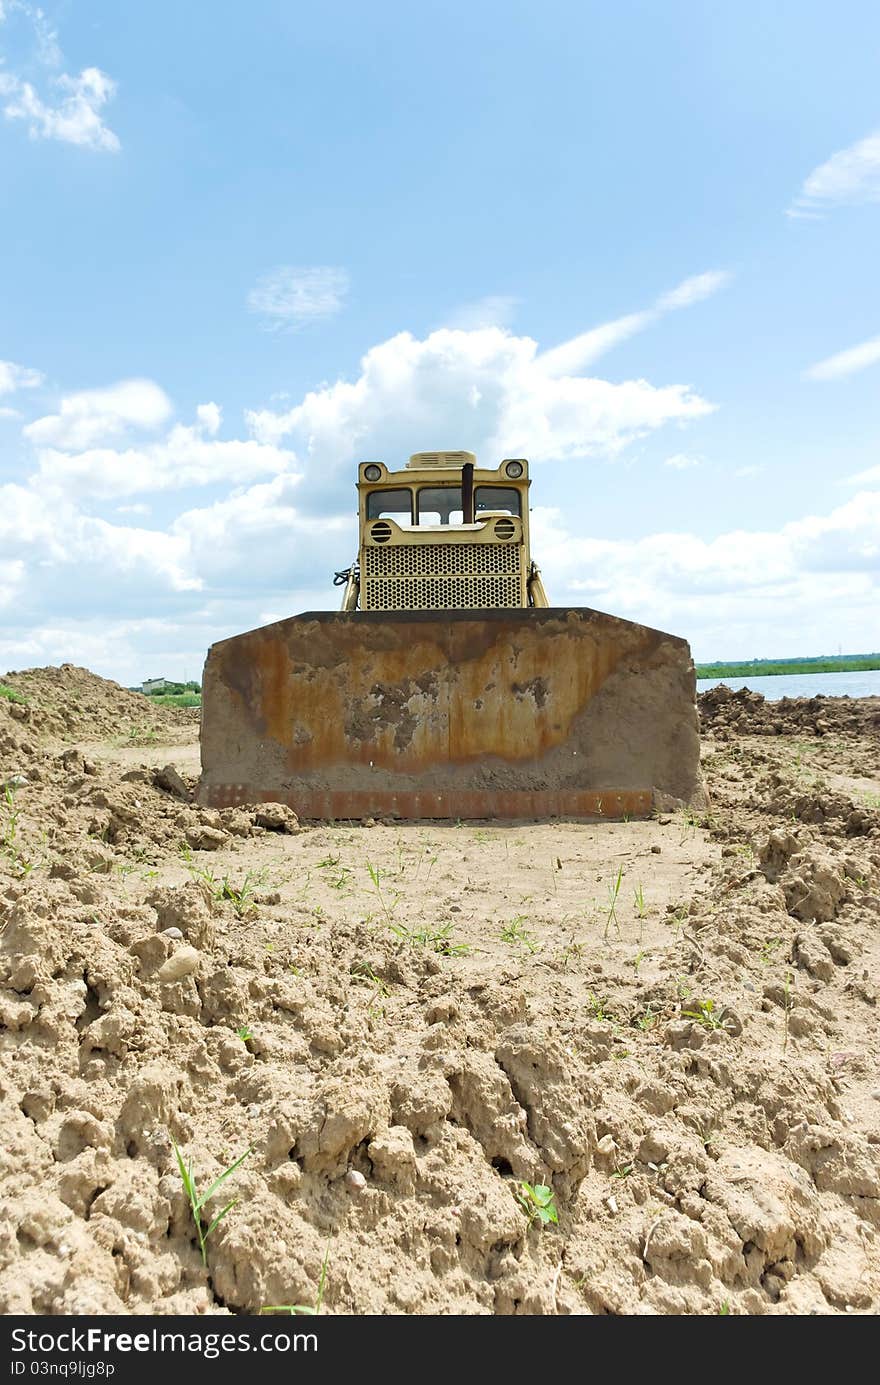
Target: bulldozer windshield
[[440, 505]]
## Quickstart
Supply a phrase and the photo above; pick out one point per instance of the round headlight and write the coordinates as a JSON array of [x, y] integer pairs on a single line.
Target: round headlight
[[514, 469], [372, 473]]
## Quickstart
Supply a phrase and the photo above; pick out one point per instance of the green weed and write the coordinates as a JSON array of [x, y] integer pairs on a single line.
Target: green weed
[[141, 735], [598, 1010], [376, 878], [437, 940], [9, 832], [364, 973], [197, 1200], [515, 933], [342, 874], [768, 951], [538, 1202], [570, 951], [10, 827], [676, 917], [704, 1013], [294, 1308], [242, 898], [611, 910], [688, 823]]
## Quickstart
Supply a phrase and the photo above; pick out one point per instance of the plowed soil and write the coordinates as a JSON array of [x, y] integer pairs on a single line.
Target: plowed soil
[[670, 1024]]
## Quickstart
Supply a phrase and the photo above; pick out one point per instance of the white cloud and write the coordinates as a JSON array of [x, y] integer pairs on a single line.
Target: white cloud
[[75, 119], [847, 362], [85, 560], [495, 310], [210, 416], [48, 47], [92, 416], [36, 28], [693, 290], [813, 581], [73, 113], [850, 176], [258, 539], [653, 569], [18, 377], [868, 478], [12, 574], [488, 391], [682, 461], [185, 457], [75, 457], [288, 298], [581, 351], [752, 469]]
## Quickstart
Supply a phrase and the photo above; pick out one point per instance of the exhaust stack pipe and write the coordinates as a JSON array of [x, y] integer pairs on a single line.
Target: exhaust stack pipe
[[467, 493]]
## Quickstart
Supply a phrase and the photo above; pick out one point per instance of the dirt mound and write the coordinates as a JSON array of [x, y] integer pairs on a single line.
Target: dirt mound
[[745, 713], [68, 703], [671, 1025]]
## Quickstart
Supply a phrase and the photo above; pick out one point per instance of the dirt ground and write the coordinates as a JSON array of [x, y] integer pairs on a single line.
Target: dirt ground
[[670, 1024]]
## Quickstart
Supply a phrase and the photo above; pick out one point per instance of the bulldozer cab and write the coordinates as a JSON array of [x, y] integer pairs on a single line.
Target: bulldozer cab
[[443, 534]]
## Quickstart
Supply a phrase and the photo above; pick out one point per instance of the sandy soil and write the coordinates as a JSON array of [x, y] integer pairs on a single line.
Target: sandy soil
[[672, 1024]]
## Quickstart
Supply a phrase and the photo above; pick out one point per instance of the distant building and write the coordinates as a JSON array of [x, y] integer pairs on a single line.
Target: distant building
[[152, 685]]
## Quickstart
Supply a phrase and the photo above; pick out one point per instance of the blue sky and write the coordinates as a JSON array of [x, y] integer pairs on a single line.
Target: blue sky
[[250, 246]]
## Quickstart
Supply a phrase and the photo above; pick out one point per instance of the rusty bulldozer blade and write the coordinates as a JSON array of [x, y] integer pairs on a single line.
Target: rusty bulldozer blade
[[513, 713]]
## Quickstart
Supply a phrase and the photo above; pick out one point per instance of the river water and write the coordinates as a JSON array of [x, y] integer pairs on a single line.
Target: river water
[[804, 684]]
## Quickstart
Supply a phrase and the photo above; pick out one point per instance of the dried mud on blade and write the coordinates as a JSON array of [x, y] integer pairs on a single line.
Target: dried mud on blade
[[460, 714]]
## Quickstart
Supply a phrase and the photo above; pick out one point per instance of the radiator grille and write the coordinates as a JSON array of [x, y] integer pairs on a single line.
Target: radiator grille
[[442, 577], [442, 559], [442, 594]]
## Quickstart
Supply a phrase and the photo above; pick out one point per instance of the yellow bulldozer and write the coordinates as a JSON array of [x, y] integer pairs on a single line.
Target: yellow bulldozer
[[447, 686]]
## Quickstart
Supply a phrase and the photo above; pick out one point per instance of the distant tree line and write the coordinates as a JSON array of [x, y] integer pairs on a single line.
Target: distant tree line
[[767, 668], [169, 689]]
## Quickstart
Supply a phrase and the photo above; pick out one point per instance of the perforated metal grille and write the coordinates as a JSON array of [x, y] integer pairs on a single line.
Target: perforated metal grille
[[435, 559], [442, 593], [455, 576]]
